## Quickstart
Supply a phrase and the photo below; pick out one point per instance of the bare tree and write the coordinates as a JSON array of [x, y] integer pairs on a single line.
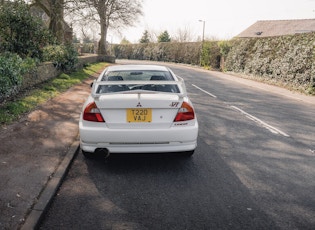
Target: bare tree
[[109, 14], [183, 35]]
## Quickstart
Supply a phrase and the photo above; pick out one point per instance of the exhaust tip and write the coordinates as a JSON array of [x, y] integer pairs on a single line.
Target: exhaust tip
[[103, 152]]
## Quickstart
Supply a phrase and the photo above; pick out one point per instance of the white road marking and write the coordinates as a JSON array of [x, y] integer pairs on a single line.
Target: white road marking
[[249, 116], [204, 91], [264, 124]]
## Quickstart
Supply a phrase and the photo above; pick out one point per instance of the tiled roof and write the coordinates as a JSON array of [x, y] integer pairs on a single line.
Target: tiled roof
[[272, 28]]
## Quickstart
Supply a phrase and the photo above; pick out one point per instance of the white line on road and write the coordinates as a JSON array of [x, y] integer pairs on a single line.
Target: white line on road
[[251, 117], [264, 124], [204, 91]]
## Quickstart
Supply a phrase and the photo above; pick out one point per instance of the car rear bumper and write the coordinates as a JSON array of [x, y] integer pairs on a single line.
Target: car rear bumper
[[140, 148], [175, 139]]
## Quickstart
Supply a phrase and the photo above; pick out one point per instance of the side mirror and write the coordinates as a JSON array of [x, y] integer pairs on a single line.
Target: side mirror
[[91, 85]]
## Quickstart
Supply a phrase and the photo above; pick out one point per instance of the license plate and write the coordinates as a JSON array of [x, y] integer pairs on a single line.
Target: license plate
[[139, 115]]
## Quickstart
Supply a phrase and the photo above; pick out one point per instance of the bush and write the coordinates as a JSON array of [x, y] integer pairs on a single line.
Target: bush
[[64, 57], [210, 55], [20, 32], [284, 60], [188, 52], [12, 68]]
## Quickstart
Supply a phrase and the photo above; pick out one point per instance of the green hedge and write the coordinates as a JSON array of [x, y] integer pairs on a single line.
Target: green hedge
[[207, 54], [12, 68], [64, 57], [284, 60], [20, 31], [167, 51]]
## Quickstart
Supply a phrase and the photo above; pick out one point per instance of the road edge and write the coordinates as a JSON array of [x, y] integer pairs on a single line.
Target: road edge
[[39, 209]]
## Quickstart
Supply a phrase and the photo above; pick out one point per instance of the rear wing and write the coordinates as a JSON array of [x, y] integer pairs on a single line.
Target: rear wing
[[147, 87]]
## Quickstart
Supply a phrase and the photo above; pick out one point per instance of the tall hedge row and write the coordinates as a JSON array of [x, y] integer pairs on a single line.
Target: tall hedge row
[[284, 60], [168, 52]]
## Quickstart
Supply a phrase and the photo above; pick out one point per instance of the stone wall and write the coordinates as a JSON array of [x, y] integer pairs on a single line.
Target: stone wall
[[46, 71]]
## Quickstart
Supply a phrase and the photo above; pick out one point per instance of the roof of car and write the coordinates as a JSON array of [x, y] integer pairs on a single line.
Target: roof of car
[[137, 67]]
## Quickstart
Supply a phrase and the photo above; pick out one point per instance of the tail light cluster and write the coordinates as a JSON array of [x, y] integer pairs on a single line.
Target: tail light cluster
[[92, 113], [185, 113]]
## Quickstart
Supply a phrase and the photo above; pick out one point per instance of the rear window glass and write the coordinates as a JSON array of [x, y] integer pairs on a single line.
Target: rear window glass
[[147, 87], [141, 75]]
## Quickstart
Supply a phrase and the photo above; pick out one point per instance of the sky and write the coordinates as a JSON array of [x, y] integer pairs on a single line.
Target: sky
[[223, 19]]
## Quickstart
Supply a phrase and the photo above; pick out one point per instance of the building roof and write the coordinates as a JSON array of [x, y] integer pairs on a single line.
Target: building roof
[[271, 28]]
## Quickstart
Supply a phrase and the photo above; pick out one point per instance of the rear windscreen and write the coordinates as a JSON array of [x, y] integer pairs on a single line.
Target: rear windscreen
[[173, 88], [145, 76]]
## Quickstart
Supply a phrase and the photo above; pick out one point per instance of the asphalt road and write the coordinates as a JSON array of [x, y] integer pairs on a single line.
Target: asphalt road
[[254, 168]]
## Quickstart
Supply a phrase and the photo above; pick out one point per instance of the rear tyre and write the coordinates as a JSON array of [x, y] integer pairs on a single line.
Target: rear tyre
[[188, 153]]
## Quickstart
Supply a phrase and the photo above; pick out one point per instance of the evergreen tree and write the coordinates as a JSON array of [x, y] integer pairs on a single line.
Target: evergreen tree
[[145, 37], [164, 37]]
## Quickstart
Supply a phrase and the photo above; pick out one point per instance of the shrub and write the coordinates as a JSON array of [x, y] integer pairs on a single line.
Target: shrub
[[284, 60], [188, 52], [64, 57], [12, 68], [210, 55], [20, 32]]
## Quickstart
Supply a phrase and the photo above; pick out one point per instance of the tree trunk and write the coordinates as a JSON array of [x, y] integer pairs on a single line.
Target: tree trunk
[[56, 19], [102, 43], [104, 28], [54, 10]]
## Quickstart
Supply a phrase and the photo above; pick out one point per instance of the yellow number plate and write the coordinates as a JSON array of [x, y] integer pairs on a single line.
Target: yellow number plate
[[139, 115]]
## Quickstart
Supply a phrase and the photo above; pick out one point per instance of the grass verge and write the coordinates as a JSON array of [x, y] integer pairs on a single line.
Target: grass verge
[[12, 110]]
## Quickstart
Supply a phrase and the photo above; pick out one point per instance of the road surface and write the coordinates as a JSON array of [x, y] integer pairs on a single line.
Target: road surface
[[254, 168]]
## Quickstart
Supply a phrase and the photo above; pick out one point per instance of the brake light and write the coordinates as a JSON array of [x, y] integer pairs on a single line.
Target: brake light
[[92, 113], [185, 113]]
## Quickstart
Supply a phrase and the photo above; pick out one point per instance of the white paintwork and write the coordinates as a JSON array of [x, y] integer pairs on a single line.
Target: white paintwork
[[118, 135]]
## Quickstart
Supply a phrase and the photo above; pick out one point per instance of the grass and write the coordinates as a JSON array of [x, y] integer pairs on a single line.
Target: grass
[[12, 110]]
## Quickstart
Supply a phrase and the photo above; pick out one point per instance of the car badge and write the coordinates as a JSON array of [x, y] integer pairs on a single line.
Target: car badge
[[139, 105], [174, 104]]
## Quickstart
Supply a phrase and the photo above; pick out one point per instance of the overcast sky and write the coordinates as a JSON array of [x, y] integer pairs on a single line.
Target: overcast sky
[[224, 19]]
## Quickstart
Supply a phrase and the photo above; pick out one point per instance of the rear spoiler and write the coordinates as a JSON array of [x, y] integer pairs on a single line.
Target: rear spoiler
[[180, 85]]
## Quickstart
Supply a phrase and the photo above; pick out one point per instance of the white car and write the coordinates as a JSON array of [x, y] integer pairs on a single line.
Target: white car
[[138, 109]]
